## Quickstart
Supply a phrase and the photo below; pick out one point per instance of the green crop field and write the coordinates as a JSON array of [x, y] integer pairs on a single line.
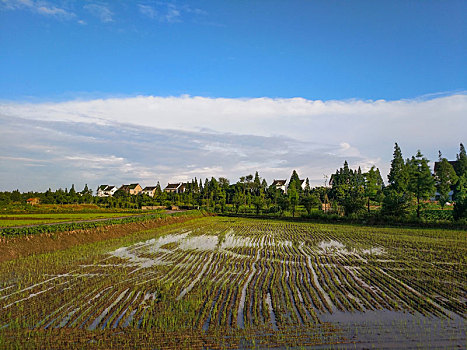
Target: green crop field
[[36, 219], [241, 283]]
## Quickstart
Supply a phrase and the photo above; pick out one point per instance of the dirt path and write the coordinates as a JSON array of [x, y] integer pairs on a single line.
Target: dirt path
[[90, 220]]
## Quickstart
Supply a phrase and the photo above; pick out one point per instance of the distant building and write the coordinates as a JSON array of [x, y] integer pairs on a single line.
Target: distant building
[[106, 191], [132, 189], [150, 190], [279, 185], [326, 207], [33, 201], [178, 187]]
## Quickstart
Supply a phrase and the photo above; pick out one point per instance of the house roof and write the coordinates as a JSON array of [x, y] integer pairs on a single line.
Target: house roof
[[149, 188], [129, 187], [173, 186], [279, 182], [106, 188]]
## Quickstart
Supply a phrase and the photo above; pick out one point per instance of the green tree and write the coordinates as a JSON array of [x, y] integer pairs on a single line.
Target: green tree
[[158, 189], [307, 189], [222, 201], [284, 203], [224, 183], [353, 201], [72, 195], [461, 165], [396, 203], [264, 185], [348, 189], [398, 175], [460, 198], [309, 201], [238, 200], [397, 199], [5, 198], [258, 203], [445, 178], [248, 181], [86, 190], [373, 185], [256, 185], [86, 195], [16, 196], [293, 197], [295, 181], [421, 182]]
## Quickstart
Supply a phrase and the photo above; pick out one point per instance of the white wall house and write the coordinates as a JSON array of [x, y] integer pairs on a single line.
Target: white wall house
[[178, 187], [149, 190], [280, 185], [106, 191]]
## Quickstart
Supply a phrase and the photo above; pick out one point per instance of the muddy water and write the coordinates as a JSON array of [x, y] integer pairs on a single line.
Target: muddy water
[[271, 312], [241, 306], [384, 329]]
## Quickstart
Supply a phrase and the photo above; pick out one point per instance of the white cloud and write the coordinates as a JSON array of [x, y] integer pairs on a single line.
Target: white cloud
[[100, 11], [40, 7], [147, 10], [169, 12], [53, 11], [172, 14], [353, 122], [149, 138]]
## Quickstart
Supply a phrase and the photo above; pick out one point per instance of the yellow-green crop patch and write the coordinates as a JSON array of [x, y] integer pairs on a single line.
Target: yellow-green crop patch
[[241, 283], [36, 219]]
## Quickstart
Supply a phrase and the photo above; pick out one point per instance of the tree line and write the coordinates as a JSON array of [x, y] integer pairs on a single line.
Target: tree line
[[351, 192], [410, 182]]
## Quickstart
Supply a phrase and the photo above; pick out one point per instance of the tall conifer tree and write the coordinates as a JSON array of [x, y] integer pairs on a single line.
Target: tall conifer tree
[[398, 176], [421, 182]]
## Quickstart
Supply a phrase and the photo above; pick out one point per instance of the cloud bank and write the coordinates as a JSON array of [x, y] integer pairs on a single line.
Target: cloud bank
[[150, 138]]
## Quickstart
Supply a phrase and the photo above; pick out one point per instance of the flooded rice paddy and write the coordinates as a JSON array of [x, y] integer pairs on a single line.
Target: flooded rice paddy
[[239, 283]]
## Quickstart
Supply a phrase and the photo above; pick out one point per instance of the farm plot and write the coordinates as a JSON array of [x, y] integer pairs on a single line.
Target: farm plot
[[228, 283], [39, 219]]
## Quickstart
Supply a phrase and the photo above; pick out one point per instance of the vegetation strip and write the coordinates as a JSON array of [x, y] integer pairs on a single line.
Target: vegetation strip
[[15, 246], [61, 227]]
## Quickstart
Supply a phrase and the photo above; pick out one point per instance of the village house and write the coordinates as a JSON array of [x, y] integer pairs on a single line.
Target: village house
[[106, 191], [178, 187], [33, 201], [279, 184], [150, 191], [132, 189]]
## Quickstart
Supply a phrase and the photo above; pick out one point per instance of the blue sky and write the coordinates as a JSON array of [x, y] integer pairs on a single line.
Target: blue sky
[[311, 49], [332, 80]]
